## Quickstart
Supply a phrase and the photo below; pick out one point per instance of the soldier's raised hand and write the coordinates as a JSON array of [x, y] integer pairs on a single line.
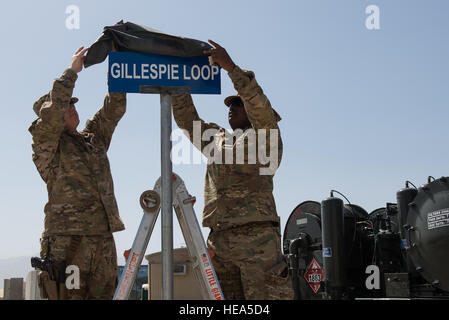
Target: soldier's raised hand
[[220, 56], [76, 63]]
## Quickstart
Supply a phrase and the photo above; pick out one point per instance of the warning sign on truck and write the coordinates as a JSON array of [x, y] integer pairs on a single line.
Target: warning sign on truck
[[314, 275]]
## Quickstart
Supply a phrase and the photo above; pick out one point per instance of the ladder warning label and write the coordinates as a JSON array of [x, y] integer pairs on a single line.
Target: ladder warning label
[[213, 283], [128, 276], [211, 277], [438, 219]]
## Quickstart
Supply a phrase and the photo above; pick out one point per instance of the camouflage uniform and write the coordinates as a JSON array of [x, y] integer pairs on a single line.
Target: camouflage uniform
[[239, 203], [81, 199]]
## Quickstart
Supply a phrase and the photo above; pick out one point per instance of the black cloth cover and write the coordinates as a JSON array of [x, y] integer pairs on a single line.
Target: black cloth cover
[[129, 36]]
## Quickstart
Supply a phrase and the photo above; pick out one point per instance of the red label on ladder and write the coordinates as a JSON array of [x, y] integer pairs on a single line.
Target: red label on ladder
[[213, 285], [128, 274]]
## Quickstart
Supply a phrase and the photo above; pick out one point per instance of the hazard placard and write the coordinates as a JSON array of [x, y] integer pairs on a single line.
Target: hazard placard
[[314, 275]]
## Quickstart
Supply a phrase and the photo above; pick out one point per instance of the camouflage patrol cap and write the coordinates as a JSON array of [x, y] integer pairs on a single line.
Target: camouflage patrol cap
[[38, 104], [229, 100]]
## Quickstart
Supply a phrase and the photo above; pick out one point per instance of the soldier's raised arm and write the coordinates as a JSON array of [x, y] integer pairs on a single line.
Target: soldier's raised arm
[[51, 110], [106, 119], [257, 106]]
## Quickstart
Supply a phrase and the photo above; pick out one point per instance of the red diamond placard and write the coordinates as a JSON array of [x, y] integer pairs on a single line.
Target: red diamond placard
[[314, 275]]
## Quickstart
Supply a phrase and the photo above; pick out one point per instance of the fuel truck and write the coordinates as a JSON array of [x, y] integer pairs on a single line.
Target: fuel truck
[[339, 251]]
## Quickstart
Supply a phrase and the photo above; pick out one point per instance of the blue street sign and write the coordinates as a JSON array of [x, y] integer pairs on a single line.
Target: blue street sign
[[128, 71]]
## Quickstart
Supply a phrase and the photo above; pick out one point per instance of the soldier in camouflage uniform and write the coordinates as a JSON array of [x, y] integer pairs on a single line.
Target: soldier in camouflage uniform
[[239, 205], [81, 213]]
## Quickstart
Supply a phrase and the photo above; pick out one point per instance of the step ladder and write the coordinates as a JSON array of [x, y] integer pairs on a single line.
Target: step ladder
[[150, 201]]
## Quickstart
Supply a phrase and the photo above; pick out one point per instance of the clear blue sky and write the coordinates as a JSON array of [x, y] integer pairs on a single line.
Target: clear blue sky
[[362, 110]]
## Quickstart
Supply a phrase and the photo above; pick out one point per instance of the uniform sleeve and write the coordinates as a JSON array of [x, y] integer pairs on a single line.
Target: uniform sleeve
[[106, 119], [47, 129], [257, 105], [187, 118]]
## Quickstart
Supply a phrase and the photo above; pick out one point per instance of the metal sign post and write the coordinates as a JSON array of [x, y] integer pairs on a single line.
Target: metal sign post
[[166, 201], [166, 184], [164, 75]]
